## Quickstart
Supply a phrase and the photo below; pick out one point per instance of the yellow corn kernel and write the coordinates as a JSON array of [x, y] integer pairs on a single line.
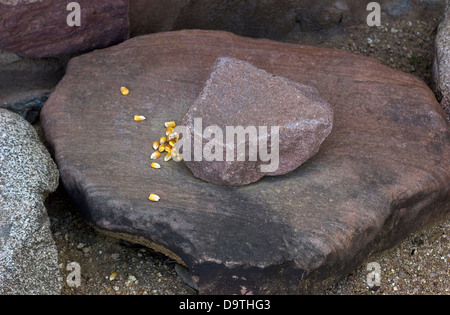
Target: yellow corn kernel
[[169, 131], [175, 155], [139, 118], [124, 90], [113, 276], [161, 148], [168, 157], [172, 143], [155, 165], [170, 124], [167, 147], [174, 136], [156, 145], [162, 140], [153, 197], [155, 155]]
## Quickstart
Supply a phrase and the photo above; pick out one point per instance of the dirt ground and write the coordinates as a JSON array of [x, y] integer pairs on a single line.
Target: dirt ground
[[418, 265]]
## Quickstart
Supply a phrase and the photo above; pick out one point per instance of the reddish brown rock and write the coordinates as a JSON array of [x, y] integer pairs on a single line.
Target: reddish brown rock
[[381, 174], [266, 125], [38, 29]]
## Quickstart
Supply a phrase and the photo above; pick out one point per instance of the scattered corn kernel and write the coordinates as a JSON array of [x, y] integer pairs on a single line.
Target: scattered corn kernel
[[169, 131], [174, 136], [170, 124], [113, 276], [161, 148], [156, 145], [139, 117], [155, 165], [124, 90], [167, 147], [172, 143], [162, 140], [153, 197], [168, 157], [175, 155], [155, 155]]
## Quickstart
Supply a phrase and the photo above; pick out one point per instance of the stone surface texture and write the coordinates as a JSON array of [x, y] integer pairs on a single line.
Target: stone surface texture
[[238, 94], [441, 69], [39, 29], [28, 255], [381, 174]]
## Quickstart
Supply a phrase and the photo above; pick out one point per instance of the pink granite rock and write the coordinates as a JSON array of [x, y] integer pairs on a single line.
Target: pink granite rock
[[264, 124]]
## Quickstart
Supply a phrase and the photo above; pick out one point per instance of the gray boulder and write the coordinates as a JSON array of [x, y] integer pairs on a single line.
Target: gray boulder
[[28, 255], [441, 69]]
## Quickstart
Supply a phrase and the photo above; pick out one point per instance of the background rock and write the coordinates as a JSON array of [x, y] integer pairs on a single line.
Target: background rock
[[39, 29], [271, 19], [239, 94], [30, 107], [441, 67], [250, 18], [380, 175], [398, 7], [28, 255], [25, 84]]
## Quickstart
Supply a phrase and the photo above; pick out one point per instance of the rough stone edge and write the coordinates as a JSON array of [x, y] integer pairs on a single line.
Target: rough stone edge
[[141, 241], [181, 268]]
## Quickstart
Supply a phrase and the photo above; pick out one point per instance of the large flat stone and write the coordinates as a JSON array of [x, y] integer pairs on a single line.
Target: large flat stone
[[382, 173], [39, 29]]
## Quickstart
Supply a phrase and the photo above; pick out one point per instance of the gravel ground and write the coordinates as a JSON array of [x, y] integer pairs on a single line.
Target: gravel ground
[[108, 265], [418, 265], [405, 43]]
